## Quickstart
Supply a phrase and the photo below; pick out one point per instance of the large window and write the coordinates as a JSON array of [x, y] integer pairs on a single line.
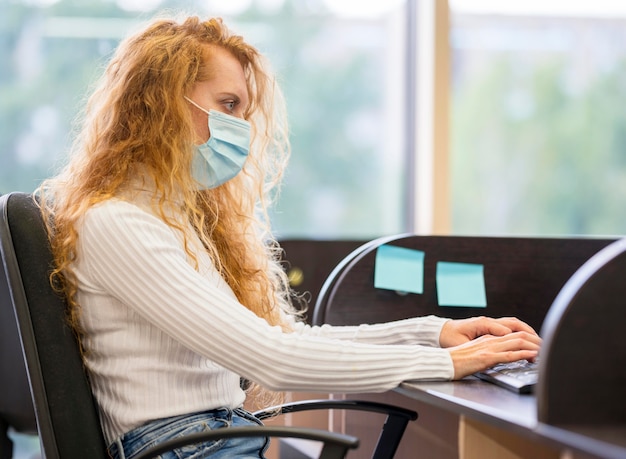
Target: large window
[[339, 63], [538, 125]]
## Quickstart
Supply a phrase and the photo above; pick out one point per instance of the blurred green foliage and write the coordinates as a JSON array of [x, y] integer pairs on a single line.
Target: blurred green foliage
[[530, 155]]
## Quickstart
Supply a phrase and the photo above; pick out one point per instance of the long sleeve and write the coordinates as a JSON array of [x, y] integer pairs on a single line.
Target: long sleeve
[[145, 307], [417, 330]]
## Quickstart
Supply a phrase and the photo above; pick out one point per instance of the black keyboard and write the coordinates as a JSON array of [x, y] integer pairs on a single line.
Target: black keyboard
[[519, 376]]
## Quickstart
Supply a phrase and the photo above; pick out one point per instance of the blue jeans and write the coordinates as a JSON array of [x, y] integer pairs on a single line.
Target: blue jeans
[[155, 432]]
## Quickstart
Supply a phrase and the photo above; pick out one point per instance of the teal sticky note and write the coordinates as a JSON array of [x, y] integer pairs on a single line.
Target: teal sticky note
[[399, 269], [461, 284]]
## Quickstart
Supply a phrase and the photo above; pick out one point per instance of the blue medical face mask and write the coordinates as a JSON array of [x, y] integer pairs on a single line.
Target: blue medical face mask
[[222, 157]]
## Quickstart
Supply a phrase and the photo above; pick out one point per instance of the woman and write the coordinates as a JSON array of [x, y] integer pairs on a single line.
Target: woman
[[163, 248]]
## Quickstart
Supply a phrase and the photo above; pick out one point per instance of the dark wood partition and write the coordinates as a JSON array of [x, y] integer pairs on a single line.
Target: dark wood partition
[[309, 262], [583, 364], [522, 278]]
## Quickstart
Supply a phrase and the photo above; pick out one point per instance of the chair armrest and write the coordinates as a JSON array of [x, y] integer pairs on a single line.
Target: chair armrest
[[392, 430], [330, 404], [335, 446]]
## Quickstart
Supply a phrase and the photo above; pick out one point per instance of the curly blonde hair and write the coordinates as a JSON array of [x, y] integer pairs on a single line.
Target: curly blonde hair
[[137, 120]]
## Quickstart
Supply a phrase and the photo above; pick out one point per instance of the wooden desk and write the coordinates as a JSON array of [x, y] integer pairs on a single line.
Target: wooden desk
[[479, 400], [490, 414]]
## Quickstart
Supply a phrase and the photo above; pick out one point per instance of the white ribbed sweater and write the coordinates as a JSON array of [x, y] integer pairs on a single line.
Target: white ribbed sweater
[[163, 338]]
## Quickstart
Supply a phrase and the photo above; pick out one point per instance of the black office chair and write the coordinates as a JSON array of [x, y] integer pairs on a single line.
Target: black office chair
[[67, 417], [16, 406]]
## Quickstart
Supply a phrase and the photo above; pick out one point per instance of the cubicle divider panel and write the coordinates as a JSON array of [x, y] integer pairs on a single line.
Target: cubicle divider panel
[[309, 262], [583, 365], [522, 277]]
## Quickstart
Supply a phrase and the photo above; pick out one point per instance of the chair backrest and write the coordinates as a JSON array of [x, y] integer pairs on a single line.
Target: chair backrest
[[67, 418], [16, 406]]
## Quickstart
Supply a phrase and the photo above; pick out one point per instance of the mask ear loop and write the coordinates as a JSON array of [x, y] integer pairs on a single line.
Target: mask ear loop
[[196, 105]]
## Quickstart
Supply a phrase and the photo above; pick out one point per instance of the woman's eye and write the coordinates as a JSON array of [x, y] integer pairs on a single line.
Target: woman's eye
[[230, 105]]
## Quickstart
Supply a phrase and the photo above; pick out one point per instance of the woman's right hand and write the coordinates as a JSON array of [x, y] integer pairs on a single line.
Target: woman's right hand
[[488, 350]]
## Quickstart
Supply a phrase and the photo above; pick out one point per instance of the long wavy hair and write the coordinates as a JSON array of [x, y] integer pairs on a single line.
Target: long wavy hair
[[138, 122]]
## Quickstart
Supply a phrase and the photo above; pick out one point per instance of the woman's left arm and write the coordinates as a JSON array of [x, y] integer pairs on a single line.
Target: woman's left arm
[[424, 331], [428, 330]]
